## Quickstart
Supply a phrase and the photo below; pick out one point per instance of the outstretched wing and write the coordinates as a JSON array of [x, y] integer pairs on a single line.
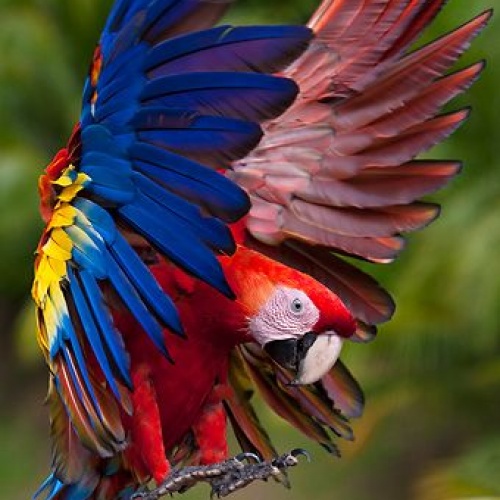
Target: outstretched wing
[[337, 171], [168, 100]]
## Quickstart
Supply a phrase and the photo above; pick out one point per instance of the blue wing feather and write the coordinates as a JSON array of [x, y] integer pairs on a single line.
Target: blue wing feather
[[215, 140], [167, 19], [119, 166], [227, 48], [136, 306], [210, 230], [122, 11], [82, 367], [127, 64], [97, 138], [99, 317], [176, 241], [141, 278], [104, 176], [207, 188], [155, 20], [152, 128], [94, 336], [120, 89], [245, 96], [86, 253], [101, 223], [163, 15], [98, 218]]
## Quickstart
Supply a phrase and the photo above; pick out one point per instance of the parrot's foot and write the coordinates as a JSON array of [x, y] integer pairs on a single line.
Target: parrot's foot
[[225, 477], [237, 479]]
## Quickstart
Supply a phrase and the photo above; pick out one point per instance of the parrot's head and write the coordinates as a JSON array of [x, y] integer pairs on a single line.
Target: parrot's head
[[299, 322]]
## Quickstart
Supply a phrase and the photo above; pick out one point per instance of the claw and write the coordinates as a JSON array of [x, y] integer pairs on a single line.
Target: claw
[[247, 455], [290, 459], [301, 452]]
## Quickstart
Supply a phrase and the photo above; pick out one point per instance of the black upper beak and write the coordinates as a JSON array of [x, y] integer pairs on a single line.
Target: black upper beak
[[288, 353]]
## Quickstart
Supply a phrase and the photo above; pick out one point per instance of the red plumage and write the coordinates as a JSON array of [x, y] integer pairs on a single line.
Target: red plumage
[[335, 172], [197, 381]]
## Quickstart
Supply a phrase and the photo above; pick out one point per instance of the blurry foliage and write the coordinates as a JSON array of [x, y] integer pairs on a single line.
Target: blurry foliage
[[431, 429], [475, 473]]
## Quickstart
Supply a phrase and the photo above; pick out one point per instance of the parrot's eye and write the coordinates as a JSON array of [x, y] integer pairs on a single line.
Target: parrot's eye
[[297, 306]]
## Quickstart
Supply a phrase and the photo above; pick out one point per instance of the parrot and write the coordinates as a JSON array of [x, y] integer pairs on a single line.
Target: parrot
[[202, 228]]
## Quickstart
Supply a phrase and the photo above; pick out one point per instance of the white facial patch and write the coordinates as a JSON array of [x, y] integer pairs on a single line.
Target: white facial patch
[[320, 358], [288, 313]]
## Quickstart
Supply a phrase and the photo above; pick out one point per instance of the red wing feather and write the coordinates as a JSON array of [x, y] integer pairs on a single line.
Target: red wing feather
[[338, 169]]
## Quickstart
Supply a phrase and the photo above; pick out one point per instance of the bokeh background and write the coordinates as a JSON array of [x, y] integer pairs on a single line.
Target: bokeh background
[[431, 430]]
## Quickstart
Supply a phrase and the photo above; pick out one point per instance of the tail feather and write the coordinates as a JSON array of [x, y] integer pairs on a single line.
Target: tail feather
[[54, 489], [116, 486]]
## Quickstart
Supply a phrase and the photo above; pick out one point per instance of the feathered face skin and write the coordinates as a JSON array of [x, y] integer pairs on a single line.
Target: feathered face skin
[[284, 326], [300, 323]]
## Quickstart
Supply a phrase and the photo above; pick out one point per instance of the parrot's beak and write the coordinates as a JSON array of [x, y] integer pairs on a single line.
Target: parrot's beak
[[309, 357]]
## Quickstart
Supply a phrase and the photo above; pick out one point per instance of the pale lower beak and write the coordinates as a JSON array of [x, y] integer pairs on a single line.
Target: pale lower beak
[[309, 358], [319, 359]]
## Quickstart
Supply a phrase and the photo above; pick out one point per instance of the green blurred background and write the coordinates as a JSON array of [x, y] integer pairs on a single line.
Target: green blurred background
[[431, 430]]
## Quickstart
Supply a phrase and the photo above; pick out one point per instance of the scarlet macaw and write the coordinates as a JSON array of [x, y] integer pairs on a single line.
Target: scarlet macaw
[[171, 213]]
